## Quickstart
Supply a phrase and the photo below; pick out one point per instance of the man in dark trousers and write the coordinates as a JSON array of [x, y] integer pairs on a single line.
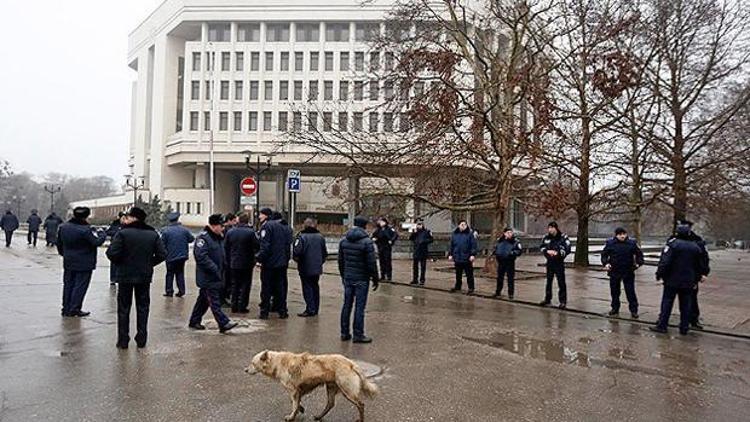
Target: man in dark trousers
[[421, 239], [77, 243], [273, 258], [310, 253], [112, 230], [680, 267], [706, 267], [209, 262], [555, 247], [177, 240], [357, 267], [240, 246], [620, 257], [135, 249], [51, 225], [230, 220], [9, 224], [385, 237], [463, 252], [34, 222], [507, 249]]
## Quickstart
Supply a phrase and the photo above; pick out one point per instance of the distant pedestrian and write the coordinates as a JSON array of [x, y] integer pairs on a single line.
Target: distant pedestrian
[[209, 263], [135, 249], [357, 266], [51, 225], [555, 247], [463, 252], [273, 258], [420, 238], [621, 256], [177, 240], [112, 230], [34, 222], [9, 224], [507, 249], [310, 254], [240, 246], [680, 267], [77, 243], [385, 237]]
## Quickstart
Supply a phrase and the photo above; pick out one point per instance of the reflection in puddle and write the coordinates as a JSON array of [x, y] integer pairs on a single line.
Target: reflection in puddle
[[413, 299], [244, 326]]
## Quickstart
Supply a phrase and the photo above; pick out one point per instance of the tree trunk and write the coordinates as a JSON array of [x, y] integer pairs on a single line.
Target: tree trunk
[[583, 205]]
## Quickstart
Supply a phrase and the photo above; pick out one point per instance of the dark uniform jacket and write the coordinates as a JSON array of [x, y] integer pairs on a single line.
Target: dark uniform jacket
[[507, 249], [421, 239], [384, 237], [559, 243], [681, 264], [177, 240], [623, 256], [136, 249], [209, 260], [240, 246], [310, 252], [357, 257], [9, 222], [77, 242], [463, 245], [34, 222], [275, 244], [51, 224]]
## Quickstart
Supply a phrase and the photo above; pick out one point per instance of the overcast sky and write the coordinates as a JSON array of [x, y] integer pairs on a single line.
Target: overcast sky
[[65, 84]]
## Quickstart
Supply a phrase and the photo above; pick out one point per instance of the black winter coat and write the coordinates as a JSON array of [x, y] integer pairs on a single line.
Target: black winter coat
[[135, 250], [357, 257], [681, 264], [209, 260], [34, 222], [275, 244], [559, 243], [507, 249], [9, 222], [384, 237], [76, 243], [463, 245], [421, 240], [240, 246], [623, 256], [310, 252], [51, 224]]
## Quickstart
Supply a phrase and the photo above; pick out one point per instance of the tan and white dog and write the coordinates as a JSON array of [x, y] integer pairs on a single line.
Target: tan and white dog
[[302, 373]]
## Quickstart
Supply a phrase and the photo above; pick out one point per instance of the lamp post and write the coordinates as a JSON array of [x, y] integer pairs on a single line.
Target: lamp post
[[136, 183], [257, 172], [52, 190], [18, 199]]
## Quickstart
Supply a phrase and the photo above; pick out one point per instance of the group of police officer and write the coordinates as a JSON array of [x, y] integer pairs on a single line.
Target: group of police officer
[[9, 223]]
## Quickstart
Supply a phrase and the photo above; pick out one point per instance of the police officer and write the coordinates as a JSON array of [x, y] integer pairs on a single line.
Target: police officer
[[209, 262], [34, 222], [694, 308], [76, 243], [310, 253], [112, 230], [385, 237], [273, 258], [177, 240], [230, 220], [463, 252], [421, 239], [620, 257], [9, 224], [507, 249], [357, 267], [555, 247], [680, 267], [135, 249], [51, 225], [240, 246]]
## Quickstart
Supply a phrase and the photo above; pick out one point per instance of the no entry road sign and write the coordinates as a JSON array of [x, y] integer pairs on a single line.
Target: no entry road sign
[[248, 186]]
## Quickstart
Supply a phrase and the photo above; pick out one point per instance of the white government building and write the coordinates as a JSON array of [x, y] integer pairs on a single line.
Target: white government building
[[235, 72]]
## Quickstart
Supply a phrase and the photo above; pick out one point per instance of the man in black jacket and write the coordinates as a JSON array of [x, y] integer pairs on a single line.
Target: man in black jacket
[[555, 247], [620, 257], [357, 267], [385, 237], [310, 253], [112, 230], [240, 246], [507, 249], [34, 222], [421, 239], [51, 225], [230, 220], [273, 257], [135, 249], [9, 224]]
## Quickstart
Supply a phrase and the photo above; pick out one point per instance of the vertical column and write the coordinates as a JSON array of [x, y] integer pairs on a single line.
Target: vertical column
[[142, 114], [353, 191], [280, 190]]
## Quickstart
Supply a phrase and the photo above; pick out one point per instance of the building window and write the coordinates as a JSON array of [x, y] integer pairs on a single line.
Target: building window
[[314, 60], [267, 121], [195, 90], [225, 59], [403, 91], [403, 122], [253, 90], [283, 121], [237, 122], [327, 121], [374, 90], [177, 207], [344, 61], [297, 90], [224, 90], [248, 32], [188, 207], [210, 61], [329, 61], [343, 121], [219, 32], [312, 121], [307, 32], [328, 90], [284, 61], [388, 90], [193, 121], [343, 90], [198, 207], [283, 90], [367, 31], [357, 122], [277, 32], [239, 61], [254, 61], [312, 90], [299, 58], [359, 89], [269, 60], [387, 122], [252, 121], [208, 89], [297, 121], [389, 59], [268, 91], [373, 122], [337, 32], [223, 121], [206, 120], [237, 90], [374, 61], [418, 88], [359, 61], [196, 62]]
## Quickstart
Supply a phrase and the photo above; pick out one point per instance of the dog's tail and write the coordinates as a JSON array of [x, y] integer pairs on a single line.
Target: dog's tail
[[368, 388]]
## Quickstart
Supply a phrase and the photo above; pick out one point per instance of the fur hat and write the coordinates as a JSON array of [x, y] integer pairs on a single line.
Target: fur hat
[[138, 214], [81, 212], [360, 221]]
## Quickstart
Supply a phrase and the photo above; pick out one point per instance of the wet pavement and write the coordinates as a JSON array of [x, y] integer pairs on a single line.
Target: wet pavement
[[436, 356]]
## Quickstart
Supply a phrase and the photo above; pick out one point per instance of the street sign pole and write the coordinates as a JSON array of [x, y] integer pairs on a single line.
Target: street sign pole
[[293, 185]]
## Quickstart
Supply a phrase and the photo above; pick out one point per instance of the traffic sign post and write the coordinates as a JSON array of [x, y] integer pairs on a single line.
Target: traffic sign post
[[293, 185], [248, 187]]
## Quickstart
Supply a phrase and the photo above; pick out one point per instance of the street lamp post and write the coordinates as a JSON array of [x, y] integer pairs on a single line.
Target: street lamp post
[[258, 172], [18, 199], [136, 183], [52, 190]]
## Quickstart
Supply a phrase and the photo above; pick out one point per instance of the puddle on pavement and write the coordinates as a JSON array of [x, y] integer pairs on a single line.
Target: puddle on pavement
[[244, 326], [414, 300]]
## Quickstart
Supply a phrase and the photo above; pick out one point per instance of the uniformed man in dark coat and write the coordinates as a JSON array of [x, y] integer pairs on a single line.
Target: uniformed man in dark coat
[[680, 267], [177, 240], [620, 257], [694, 308], [310, 253], [135, 249], [420, 238], [273, 258], [385, 237], [112, 230], [209, 268], [507, 249], [77, 243], [357, 267], [230, 220], [9, 224], [463, 252], [51, 225], [555, 247], [34, 222], [240, 246]]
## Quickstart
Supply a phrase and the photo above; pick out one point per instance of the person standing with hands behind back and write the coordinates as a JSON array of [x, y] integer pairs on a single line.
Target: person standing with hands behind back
[[507, 249], [555, 247], [421, 238], [463, 251]]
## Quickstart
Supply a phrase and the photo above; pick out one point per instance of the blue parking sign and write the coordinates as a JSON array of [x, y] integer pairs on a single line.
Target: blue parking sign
[[293, 182]]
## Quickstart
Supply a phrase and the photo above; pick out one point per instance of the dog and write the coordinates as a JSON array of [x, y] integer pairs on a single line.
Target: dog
[[302, 373]]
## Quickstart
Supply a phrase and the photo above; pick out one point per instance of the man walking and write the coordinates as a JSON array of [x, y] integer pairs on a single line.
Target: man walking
[[135, 249], [9, 224], [555, 247], [209, 263], [273, 258], [421, 239], [176, 240], [620, 257], [463, 251], [34, 222], [240, 246], [76, 243], [51, 225], [385, 237], [357, 267], [507, 249], [310, 253]]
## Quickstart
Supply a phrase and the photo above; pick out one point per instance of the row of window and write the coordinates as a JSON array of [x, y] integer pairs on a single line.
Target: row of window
[[303, 32], [313, 90], [389, 121], [284, 57], [188, 208]]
